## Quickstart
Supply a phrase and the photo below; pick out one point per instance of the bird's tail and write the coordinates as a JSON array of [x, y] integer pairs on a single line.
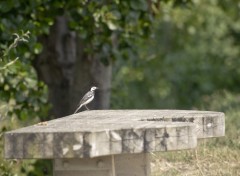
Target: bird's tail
[[77, 109]]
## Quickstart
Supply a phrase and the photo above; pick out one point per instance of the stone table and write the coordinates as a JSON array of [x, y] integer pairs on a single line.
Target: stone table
[[111, 142]]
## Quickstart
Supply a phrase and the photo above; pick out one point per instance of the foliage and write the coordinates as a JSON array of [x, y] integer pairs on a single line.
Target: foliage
[[23, 98], [109, 29], [18, 82], [104, 28], [190, 61], [4, 61], [193, 52], [168, 54]]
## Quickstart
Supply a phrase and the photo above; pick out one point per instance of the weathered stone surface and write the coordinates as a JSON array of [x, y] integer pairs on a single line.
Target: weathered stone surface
[[208, 123], [106, 132]]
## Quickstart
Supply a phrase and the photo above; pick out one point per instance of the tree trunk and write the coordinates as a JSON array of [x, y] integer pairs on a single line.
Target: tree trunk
[[69, 72]]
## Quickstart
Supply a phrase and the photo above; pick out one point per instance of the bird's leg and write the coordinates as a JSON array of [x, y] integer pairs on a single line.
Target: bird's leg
[[86, 107]]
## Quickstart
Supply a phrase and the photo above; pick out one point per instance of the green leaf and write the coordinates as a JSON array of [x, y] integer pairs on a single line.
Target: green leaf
[[139, 5]]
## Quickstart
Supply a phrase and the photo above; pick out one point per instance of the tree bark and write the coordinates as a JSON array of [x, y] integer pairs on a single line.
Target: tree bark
[[69, 72]]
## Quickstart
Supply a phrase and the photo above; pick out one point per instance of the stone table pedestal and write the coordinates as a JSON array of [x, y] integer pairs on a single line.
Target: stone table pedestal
[[112, 142]]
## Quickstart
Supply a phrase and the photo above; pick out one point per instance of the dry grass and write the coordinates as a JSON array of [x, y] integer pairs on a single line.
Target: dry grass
[[206, 160], [213, 156]]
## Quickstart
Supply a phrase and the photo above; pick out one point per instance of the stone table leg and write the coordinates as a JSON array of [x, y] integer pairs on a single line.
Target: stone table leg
[[115, 165]]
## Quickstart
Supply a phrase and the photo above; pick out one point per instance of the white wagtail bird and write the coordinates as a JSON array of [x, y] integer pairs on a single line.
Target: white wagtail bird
[[87, 98]]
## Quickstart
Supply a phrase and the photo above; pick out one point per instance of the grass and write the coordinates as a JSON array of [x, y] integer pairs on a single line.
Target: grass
[[203, 161], [213, 156]]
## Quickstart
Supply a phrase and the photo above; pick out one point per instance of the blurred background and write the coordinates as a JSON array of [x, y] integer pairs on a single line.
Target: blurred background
[[143, 54]]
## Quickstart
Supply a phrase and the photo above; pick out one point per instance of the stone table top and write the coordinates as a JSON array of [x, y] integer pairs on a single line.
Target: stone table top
[[106, 132]]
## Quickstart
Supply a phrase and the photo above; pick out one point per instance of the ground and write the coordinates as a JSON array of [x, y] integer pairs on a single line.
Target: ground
[[206, 160]]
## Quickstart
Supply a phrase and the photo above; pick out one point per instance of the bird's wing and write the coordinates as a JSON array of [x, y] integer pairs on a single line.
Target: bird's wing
[[87, 96]]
